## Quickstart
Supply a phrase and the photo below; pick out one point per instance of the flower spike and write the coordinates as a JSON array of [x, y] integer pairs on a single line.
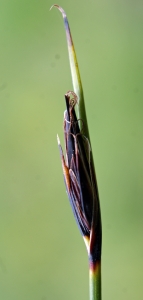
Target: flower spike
[[82, 190]]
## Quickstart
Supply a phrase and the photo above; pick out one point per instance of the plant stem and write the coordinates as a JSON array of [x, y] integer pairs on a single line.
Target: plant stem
[[92, 240], [95, 281]]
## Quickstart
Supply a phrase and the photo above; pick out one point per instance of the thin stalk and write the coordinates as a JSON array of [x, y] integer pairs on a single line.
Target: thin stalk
[[95, 281], [94, 275]]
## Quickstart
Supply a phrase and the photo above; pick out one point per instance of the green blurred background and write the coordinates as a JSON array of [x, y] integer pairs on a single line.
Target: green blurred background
[[42, 255]]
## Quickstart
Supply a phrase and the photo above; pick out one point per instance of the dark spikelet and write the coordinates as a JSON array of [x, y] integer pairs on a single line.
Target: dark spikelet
[[80, 179]]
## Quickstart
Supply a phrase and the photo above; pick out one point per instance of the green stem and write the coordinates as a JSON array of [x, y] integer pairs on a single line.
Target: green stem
[[94, 268], [95, 281]]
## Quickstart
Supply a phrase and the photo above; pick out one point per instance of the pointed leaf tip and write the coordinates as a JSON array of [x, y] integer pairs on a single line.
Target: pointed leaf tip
[[59, 8], [75, 74]]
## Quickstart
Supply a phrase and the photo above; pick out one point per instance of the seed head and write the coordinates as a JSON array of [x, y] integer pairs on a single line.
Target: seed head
[[79, 177]]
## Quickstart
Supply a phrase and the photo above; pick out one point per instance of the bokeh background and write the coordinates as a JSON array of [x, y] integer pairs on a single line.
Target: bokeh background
[[42, 255]]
